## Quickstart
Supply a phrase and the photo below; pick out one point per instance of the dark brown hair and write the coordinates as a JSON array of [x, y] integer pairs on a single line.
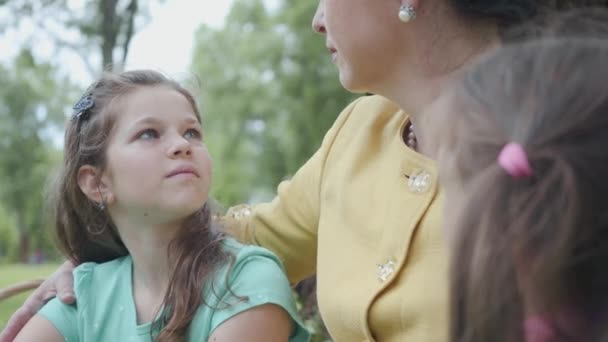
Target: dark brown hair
[[537, 243], [509, 14], [86, 234]]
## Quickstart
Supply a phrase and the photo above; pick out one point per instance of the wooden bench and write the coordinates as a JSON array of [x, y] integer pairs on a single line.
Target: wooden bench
[[18, 288]]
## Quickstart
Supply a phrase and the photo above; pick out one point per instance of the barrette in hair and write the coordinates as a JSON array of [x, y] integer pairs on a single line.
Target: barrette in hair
[[514, 160], [82, 107]]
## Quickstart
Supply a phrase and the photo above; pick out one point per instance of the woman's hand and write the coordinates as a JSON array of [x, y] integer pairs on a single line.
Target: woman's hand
[[58, 284]]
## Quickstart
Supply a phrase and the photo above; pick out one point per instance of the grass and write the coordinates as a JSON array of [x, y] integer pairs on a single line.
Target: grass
[[14, 273]]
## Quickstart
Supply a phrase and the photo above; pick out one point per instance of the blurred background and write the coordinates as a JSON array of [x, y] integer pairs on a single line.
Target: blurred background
[[264, 81]]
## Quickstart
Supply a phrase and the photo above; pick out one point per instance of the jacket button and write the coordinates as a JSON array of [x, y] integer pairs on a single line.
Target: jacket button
[[386, 270], [420, 182]]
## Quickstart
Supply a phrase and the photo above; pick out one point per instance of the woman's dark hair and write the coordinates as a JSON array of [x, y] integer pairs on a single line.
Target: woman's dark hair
[[87, 234], [538, 245], [510, 14]]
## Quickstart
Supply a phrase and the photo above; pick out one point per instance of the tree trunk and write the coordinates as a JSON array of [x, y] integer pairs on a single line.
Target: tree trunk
[[109, 32], [131, 12], [24, 239]]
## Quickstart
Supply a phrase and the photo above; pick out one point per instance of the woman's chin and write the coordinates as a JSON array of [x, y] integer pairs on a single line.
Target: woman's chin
[[349, 83]]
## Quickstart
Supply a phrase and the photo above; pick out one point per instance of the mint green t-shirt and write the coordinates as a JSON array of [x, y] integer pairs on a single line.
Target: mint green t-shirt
[[105, 310]]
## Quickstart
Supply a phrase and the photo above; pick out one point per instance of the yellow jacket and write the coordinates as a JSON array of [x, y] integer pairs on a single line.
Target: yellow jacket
[[363, 214]]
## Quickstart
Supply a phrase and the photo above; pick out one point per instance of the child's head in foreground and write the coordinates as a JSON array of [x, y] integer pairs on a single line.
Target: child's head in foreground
[[525, 167]]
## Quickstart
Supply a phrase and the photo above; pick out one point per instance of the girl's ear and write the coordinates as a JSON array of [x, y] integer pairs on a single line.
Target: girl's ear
[[94, 185]]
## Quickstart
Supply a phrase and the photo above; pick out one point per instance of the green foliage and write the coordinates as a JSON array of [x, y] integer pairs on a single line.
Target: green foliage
[[8, 236], [31, 104], [270, 93], [34, 99]]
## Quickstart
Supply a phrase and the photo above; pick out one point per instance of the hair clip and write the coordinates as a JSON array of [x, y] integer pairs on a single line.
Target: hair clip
[[82, 107]]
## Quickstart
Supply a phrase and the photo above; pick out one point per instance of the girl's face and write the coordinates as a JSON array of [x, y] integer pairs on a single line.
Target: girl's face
[[157, 164], [365, 39]]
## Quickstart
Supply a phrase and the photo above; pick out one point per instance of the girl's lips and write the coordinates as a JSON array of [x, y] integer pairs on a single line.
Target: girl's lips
[[183, 170]]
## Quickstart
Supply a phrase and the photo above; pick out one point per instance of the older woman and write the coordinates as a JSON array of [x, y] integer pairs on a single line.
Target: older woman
[[364, 213]]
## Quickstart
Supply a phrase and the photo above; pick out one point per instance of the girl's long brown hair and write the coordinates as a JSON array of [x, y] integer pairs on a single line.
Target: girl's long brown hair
[[538, 244], [86, 233]]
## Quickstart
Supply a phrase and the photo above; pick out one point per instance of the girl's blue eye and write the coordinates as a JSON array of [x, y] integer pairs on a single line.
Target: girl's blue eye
[[192, 134], [148, 134]]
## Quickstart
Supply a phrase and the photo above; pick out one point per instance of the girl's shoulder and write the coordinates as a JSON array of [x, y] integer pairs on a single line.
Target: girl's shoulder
[[242, 252], [90, 275], [254, 277], [99, 288], [251, 267]]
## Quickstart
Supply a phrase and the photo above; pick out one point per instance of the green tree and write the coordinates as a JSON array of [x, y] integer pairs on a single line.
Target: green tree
[[269, 94], [31, 105], [34, 100], [104, 26], [8, 236]]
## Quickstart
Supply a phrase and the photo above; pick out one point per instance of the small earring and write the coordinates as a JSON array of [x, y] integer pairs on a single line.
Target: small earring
[[96, 232], [101, 205], [407, 13]]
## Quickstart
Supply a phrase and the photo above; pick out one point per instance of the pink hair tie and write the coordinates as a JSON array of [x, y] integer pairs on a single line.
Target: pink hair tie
[[514, 160], [538, 329]]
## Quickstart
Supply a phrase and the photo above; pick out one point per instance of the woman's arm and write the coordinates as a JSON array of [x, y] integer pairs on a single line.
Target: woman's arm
[[262, 323], [288, 224], [39, 329], [59, 283]]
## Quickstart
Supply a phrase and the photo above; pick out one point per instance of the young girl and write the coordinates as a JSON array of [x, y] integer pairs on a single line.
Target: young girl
[[525, 166], [131, 211]]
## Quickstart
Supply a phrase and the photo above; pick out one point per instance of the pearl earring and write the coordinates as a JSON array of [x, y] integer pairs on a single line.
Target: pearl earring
[[407, 13]]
